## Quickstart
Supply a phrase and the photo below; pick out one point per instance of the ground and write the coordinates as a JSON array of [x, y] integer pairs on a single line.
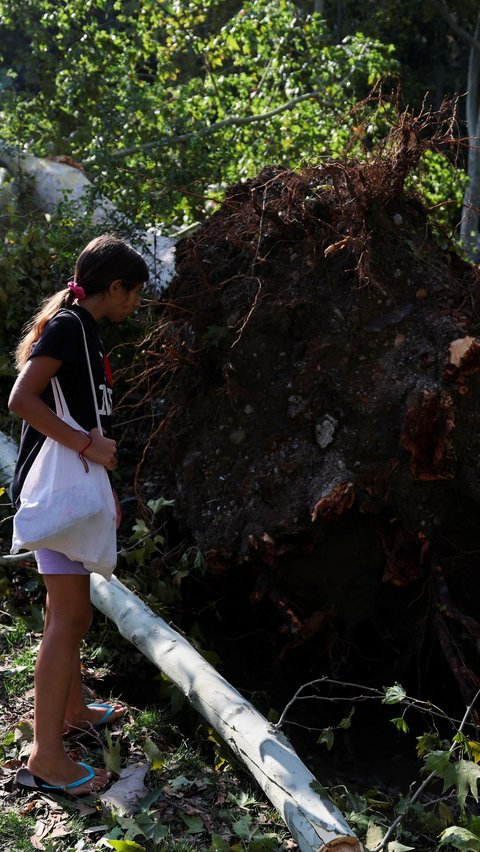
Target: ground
[[188, 796]]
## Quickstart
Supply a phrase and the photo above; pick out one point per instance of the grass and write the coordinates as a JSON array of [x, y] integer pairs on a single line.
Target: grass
[[15, 832], [189, 805]]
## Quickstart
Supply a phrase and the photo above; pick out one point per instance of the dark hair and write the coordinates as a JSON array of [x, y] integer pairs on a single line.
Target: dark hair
[[104, 260]]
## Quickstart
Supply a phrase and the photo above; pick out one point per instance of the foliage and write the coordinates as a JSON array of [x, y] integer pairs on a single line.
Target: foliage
[[440, 185], [182, 68], [384, 820]]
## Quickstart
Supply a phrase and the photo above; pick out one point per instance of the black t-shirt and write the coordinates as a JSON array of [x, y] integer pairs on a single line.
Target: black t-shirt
[[62, 338]]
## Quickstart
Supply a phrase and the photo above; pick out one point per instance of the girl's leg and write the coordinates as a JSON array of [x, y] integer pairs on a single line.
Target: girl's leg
[[77, 714], [69, 617]]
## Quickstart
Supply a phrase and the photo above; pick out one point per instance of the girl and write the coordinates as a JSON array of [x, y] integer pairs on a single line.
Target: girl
[[109, 275]]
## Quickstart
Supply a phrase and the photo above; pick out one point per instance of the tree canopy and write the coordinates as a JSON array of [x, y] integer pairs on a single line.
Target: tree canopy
[[162, 101]]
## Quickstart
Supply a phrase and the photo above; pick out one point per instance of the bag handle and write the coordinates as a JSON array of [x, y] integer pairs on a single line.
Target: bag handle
[[94, 394], [58, 398]]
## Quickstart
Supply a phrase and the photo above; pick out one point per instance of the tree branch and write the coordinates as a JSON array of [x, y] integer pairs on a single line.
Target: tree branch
[[28, 556], [444, 11], [232, 121]]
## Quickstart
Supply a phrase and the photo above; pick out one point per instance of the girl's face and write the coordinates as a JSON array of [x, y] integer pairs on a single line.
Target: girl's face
[[120, 302]]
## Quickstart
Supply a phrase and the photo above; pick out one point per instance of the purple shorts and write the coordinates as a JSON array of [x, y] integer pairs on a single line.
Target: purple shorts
[[52, 562]]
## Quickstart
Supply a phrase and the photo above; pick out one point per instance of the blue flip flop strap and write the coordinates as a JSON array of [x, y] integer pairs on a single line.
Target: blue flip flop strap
[[110, 709], [73, 784]]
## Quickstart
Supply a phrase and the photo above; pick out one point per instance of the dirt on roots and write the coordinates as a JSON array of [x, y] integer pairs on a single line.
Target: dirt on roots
[[316, 376]]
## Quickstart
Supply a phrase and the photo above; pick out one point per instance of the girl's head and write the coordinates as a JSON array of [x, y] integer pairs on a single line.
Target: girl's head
[[107, 269], [107, 259]]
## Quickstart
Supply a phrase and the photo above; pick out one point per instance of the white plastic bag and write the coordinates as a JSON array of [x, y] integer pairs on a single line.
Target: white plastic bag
[[65, 507]]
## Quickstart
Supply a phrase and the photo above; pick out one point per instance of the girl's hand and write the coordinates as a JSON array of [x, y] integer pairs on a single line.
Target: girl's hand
[[102, 450]]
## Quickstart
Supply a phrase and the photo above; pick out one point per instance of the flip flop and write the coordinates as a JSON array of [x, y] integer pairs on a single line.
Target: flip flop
[[26, 779], [109, 709]]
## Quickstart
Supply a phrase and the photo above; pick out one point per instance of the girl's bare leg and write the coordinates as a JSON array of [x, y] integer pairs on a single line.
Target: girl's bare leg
[[69, 617], [77, 714]]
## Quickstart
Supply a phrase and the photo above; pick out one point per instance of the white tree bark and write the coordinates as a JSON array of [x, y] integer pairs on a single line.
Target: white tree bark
[[471, 200], [56, 181], [314, 821], [8, 458]]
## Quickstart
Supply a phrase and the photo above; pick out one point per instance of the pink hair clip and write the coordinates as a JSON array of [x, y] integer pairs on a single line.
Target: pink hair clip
[[77, 289]]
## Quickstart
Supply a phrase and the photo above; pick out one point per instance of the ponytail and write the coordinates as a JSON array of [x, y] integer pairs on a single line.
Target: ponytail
[[105, 259], [34, 329]]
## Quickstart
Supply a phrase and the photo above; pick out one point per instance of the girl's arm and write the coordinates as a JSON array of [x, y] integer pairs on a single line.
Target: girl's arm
[[25, 400]]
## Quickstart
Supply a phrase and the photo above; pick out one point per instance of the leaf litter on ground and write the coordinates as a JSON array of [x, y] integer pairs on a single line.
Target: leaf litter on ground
[[166, 796]]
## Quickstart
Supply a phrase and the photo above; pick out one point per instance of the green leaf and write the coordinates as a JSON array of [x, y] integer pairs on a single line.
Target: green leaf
[[374, 836], [194, 823], [181, 783], [153, 753], [218, 844], [466, 775], [346, 723], [327, 737], [395, 846], [156, 505], [264, 843], [460, 838], [462, 774], [400, 724], [394, 694], [243, 827], [150, 798], [126, 846], [112, 753], [140, 529], [474, 747], [426, 743], [445, 813], [438, 762], [23, 731]]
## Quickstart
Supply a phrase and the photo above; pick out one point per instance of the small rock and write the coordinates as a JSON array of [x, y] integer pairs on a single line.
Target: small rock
[[397, 219], [237, 437], [248, 409], [325, 431]]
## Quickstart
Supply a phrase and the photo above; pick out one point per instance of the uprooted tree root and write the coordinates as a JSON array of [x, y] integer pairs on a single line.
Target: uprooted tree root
[[316, 377]]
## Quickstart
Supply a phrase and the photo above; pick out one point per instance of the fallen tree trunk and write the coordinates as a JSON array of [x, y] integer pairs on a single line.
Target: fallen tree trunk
[[8, 457], [61, 179], [314, 821]]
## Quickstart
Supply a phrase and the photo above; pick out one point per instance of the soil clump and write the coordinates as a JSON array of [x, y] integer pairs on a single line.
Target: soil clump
[[316, 376]]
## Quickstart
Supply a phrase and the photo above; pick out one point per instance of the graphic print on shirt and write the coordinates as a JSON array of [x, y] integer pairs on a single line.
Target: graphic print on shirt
[[106, 392], [106, 404]]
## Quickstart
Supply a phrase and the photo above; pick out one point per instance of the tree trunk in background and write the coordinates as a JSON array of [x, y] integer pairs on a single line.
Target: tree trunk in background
[[471, 201]]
